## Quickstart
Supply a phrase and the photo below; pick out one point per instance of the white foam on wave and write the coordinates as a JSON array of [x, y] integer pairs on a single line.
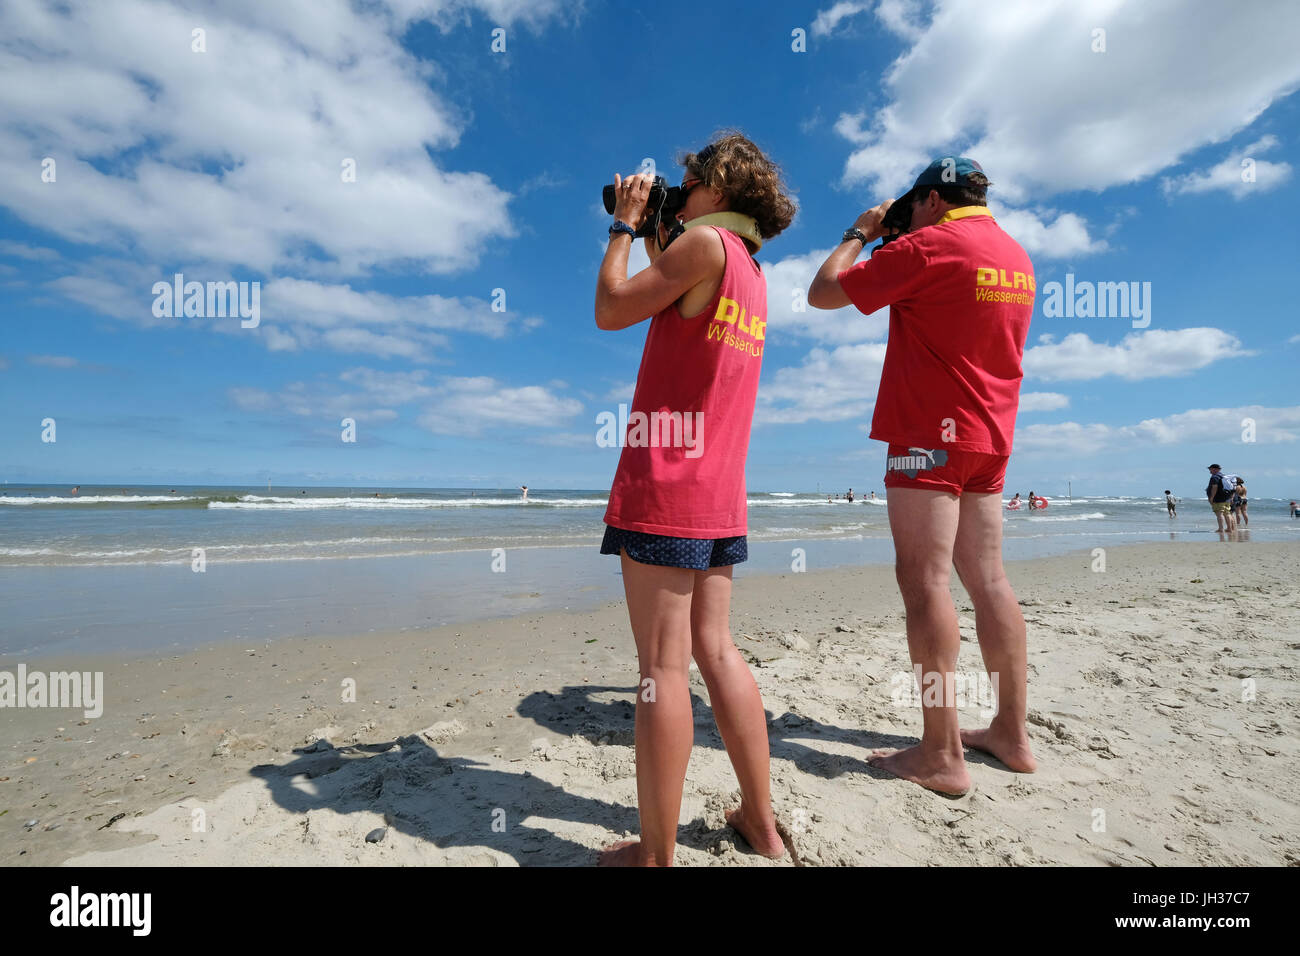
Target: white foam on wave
[[261, 502], [1088, 517], [95, 499]]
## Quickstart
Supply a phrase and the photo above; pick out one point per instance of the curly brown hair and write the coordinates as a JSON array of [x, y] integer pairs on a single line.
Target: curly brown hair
[[750, 181]]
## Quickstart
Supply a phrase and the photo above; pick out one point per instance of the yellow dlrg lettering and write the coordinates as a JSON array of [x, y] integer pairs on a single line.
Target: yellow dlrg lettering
[[727, 310], [987, 275]]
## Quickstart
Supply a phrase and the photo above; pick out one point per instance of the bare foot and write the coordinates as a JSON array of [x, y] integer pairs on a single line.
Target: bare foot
[[626, 853], [1012, 749], [941, 774], [761, 836]]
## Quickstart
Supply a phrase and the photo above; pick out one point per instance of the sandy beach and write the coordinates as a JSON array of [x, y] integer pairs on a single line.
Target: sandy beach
[[1163, 704]]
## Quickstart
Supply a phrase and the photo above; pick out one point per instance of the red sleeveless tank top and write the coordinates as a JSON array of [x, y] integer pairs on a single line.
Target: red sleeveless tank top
[[682, 469]]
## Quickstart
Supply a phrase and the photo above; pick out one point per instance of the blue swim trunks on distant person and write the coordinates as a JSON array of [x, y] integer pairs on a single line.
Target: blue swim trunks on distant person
[[698, 554]]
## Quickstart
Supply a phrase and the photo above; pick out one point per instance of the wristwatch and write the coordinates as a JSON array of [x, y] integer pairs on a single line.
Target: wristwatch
[[621, 226], [854, 233]]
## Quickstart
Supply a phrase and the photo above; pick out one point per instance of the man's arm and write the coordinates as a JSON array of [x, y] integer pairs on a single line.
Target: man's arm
[[826, 291]]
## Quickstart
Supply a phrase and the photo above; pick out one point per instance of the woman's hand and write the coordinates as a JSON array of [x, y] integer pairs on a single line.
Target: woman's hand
[[631, 197], [652, 247]]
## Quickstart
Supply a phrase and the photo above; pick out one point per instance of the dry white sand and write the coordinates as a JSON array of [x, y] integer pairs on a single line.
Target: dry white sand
[[1163, 699]]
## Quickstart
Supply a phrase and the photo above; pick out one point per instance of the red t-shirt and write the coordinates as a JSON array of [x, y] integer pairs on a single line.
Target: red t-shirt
[[682, 469], [961, 295]]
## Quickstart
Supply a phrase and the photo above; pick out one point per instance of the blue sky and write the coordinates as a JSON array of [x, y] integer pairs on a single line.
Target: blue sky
[[1115, 157]]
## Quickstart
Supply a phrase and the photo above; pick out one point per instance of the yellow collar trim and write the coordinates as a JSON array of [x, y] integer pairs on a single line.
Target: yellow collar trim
[[737, 222], [961, 212]]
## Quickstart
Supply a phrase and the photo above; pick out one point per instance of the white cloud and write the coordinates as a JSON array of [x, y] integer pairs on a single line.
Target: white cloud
[[1065, 237], [20, 250], [1019, 88], [1064, 437], [447, 14], [827, 20], [788, 280], [470, 406], [565, 439], [1152, 353], [53, 361], [347, 320], [1043, 401], [621, 392], [1210, 425], [841, 383], [902, 17], [829, 386], [372, 398], [234, 155], [300, 313], [1239, 173]]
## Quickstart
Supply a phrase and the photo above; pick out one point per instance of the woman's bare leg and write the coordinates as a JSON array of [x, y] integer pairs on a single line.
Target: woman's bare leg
[[659, 606], [737, 708]]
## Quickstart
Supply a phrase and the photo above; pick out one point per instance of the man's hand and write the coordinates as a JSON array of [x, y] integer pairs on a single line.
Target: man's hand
[[826, 291], [870, 221]]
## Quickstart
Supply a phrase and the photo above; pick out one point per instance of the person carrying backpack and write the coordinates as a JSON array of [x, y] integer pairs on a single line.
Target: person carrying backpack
[[1219, 494]]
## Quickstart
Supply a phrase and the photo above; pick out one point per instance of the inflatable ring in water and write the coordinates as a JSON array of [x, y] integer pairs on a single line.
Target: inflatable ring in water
[[1013, 505]]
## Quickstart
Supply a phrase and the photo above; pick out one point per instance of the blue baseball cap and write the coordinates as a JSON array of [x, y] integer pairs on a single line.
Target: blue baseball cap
[[945, 171]]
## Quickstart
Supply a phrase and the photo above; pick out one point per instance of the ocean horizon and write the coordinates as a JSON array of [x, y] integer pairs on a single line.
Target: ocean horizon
[[45, 525], [139, 567]]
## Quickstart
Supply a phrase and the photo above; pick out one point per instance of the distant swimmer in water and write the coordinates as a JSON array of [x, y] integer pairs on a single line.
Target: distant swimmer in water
[[1014, 503], [849, 496], [1295, 512], [172, 492], [524, 489], [873, 496], [1171, 503], [1033, 499], [76, 489]]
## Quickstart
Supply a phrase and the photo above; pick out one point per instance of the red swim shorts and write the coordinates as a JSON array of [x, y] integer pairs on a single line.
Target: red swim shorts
[[944, 469]]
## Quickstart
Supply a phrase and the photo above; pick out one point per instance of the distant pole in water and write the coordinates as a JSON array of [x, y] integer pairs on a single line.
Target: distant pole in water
[[1069, 490]]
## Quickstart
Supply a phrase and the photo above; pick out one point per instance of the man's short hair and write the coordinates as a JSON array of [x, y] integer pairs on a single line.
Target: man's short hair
[[971, 193]]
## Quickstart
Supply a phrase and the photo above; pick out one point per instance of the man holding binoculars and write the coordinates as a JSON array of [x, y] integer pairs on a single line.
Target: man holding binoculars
[[960, 292]]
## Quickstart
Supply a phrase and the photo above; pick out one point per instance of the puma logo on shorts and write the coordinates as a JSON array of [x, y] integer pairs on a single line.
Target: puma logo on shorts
[[917, 459], [952, 470]]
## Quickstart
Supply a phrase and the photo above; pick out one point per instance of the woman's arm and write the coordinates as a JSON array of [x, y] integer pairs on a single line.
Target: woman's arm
[[621, 302]]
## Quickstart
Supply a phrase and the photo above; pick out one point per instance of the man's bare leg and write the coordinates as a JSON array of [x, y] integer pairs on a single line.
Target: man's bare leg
[[1001, 630], [924, 526]]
